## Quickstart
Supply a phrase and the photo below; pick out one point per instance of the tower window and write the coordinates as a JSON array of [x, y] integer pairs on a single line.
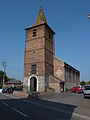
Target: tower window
[[49, 35], [34, 33], [33, 69]]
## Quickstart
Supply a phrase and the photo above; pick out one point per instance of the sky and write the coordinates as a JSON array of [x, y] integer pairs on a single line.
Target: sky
[[69, 20]]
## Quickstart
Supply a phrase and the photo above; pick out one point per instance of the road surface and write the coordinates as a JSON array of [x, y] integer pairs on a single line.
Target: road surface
[[35, 109]]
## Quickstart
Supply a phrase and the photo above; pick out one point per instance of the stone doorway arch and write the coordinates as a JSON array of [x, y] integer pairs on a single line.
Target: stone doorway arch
[[33, 84]]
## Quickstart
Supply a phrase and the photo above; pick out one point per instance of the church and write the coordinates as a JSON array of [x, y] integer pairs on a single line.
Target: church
[[42, 70]]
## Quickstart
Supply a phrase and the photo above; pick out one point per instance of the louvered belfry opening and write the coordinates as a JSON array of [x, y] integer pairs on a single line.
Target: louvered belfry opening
[[33, 69]]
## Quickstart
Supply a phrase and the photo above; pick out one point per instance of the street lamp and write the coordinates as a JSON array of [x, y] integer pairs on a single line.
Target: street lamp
[[89, 16]]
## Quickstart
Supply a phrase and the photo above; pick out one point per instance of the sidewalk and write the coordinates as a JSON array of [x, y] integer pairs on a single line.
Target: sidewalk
[[16, 95]]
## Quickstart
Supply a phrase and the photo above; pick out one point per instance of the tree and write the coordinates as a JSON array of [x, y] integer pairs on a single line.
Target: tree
[[6, 77], [1, 75], [1, 78], [82, 83], [89, 82]]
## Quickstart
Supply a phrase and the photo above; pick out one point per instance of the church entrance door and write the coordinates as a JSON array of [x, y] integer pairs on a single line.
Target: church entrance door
[[33, 84]]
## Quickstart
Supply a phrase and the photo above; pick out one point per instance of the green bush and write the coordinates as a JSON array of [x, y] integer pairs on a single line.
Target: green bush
[[0, 85], [66, 90]]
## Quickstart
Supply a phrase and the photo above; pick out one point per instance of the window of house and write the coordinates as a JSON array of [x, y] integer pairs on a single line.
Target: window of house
[[33, 69], [69, 74], [34, 33], [73, 75]]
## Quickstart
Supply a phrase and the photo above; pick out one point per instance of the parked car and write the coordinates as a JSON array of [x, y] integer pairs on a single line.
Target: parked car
[[76, 89], [0, 90], [86, 91], [8, 90], [4, 90], [72, 89]]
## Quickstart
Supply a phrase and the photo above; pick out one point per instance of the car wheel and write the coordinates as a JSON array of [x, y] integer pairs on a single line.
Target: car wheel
[[84, 97]]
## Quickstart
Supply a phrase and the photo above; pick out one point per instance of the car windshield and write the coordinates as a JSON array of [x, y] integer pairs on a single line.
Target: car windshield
[[87, 87]]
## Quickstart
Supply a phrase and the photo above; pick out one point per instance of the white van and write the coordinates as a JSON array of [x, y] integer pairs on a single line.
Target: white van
[[86, 91]]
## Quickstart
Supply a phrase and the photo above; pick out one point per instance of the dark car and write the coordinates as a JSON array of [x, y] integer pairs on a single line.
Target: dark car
[[8, 90], [4, 90]]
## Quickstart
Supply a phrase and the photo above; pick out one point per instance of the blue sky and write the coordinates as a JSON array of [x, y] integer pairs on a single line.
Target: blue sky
[[69, 20]]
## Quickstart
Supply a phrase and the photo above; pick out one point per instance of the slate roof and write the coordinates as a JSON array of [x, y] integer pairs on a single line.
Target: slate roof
[[41, 17]]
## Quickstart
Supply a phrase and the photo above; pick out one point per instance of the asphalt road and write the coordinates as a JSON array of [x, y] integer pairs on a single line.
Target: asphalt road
[[53, 108]]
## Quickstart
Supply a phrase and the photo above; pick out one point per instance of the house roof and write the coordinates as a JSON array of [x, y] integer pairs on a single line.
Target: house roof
[[13, 81]]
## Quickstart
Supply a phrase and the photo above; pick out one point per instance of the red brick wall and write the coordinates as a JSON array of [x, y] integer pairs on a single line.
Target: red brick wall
[[72, 75], [59, 69], [39, 50]]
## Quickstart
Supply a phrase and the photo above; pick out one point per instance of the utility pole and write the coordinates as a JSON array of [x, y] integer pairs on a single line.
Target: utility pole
[[4, 74]]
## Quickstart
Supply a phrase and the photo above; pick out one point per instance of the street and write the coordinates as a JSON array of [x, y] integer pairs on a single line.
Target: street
[[66, 106]]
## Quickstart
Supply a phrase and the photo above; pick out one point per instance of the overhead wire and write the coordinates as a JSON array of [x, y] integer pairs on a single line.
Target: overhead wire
[[12, 71]]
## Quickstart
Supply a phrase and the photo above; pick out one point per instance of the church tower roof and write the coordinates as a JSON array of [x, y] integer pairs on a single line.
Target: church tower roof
[[40, 20], [41, 17]]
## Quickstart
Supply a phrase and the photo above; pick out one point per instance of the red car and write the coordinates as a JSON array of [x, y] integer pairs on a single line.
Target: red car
[[76, 89]]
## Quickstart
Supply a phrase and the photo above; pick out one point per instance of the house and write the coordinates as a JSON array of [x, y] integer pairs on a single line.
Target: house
[[15, 83]]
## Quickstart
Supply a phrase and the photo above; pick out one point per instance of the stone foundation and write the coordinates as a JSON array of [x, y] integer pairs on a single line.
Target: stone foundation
[[54, 84], [25, 85], [41, 84]]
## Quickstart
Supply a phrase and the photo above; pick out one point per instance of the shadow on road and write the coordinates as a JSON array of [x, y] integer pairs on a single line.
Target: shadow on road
[[36, 108]]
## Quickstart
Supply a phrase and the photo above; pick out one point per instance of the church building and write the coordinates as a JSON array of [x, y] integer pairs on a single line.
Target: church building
[[42, 70]]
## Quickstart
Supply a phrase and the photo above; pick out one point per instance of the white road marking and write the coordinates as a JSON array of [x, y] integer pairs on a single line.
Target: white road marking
[[20, 112], [5, 103], [60, 110]]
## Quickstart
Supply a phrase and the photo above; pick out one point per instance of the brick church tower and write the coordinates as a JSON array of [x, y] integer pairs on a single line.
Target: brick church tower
[[39, 55]]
